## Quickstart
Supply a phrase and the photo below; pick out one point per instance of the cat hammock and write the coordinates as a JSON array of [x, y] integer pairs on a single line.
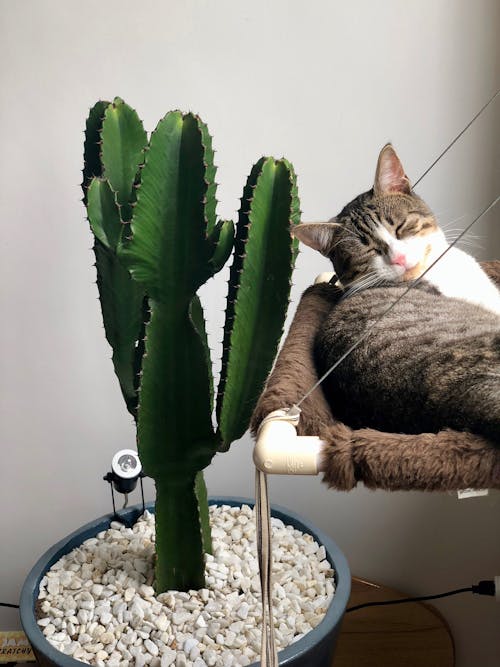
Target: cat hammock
[[445, 461]]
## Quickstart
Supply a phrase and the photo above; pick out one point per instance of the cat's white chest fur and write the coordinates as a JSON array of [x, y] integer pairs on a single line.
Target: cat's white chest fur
[[458, 275]]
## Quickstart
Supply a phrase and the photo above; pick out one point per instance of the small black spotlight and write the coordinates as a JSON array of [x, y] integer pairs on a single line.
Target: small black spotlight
[[126, 469]]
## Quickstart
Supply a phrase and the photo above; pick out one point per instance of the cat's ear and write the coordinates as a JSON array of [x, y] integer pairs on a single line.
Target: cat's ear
[[390, 175], [317, 235]]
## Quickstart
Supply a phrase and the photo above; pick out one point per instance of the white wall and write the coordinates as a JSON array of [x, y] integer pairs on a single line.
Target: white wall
[[325, 83]]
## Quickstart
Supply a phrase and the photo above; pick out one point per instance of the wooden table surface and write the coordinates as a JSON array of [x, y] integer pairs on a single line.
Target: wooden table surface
[[413, 634]]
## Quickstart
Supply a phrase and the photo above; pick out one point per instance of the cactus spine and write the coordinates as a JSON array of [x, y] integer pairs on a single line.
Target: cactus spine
[[152, 209]]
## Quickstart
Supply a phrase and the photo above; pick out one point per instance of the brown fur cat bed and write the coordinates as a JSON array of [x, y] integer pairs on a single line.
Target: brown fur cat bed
[[444, 461]]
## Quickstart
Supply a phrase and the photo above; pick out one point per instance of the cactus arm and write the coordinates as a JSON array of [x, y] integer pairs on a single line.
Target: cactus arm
[[234, 275], [258, 294], [92, 165], [223, 238], [123, 141], [114, 141], [103, 214], [122, 304], [122, 300]]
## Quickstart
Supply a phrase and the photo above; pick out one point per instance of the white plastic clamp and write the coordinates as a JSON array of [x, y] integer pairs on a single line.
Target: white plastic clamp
[[280, 451], [324, 277]]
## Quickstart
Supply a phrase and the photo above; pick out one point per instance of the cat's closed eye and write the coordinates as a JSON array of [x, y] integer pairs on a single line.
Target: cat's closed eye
[[399, 231], [414, 224]]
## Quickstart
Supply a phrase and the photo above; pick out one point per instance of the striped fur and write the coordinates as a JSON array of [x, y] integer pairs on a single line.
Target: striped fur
[[432, 362]]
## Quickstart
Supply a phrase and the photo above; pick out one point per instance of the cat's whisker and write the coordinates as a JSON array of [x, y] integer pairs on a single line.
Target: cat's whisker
[[459, 230], [468, 241], [366, 278], [445, 225], [453, 221], [370, 280], [472, 244]]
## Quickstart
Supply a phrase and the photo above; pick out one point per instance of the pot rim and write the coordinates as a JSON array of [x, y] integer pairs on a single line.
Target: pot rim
[[333, 616]]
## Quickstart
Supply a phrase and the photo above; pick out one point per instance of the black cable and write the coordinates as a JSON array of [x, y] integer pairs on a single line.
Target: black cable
[[7, 604], [486, 587]]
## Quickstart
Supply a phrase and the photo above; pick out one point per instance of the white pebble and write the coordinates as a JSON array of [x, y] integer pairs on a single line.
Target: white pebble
[[180, 617], [243, 610], [189, 644], [53, 586], [43, 622], [167, 657], [86, 604], [106, 637], [210, 657], [97, 590], [151, 647], [200, 622], [83, 616], [180, 660], [147, 591], [162, 622], [129, 594], [49, 630], [106, 618]]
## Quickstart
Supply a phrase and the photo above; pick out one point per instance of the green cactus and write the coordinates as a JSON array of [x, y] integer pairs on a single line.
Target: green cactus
[[152, 209]]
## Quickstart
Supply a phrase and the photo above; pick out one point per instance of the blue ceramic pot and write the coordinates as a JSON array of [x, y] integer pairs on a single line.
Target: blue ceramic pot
[[314, 650]]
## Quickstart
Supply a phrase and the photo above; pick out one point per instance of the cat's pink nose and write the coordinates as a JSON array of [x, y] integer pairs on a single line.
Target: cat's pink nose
[[399, 259]]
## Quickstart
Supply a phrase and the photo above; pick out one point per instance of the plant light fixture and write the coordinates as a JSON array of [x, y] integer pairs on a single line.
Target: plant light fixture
[[126, 469]]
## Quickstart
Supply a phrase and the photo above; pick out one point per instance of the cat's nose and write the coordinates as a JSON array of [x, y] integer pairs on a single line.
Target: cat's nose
[[399, 258]]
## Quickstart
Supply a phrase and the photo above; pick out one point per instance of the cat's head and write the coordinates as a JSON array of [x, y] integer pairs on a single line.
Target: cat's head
[[387, 233]]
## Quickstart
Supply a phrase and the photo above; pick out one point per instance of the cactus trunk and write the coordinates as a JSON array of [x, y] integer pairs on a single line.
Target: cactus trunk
[[179, 543]]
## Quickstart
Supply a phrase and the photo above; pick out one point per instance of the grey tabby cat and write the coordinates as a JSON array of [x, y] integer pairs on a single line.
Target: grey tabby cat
[[434, 360]]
